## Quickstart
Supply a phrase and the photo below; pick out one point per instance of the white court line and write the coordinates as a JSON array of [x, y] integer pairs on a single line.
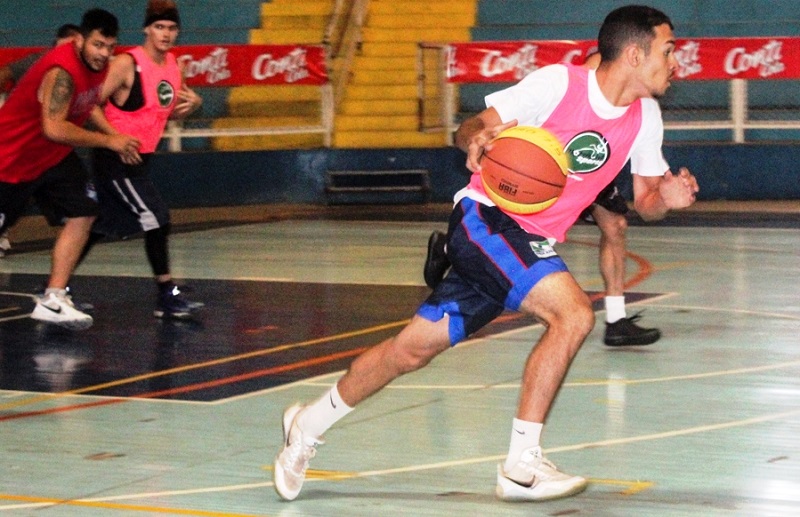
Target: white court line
[[21, 316], [433, 466], [606, 382]]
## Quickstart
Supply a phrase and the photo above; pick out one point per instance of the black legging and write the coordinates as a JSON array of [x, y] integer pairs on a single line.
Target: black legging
[[155, 246]]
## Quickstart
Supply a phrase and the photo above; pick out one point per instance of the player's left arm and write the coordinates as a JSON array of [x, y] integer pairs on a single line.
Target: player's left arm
[[188, 101], [656, 190], [654, 196]]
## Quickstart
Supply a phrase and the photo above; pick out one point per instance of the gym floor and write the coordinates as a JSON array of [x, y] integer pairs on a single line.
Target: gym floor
[[138, 416]]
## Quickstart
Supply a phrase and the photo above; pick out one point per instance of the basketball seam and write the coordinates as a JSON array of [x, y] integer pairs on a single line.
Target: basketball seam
[[522, 173]]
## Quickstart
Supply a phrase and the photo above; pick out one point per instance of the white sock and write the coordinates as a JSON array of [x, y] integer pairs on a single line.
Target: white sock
[[615, 308], [319, 416], [524, 435]]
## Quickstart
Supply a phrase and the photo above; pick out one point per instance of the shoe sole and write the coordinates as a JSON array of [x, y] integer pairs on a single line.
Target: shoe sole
[[629, 341], [515, 493], [172, 315], [277, 472], [67, 324], [71, 325]]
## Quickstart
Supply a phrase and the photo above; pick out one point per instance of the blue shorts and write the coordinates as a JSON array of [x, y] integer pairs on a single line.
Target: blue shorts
[[495, 264]]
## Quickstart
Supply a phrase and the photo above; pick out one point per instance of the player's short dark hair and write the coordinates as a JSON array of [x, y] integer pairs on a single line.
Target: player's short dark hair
[[101, 21], [67, 30], [626, 25]]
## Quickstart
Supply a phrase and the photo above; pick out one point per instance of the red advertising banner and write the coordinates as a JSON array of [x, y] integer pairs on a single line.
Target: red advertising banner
[[235, 65], [698, 58]]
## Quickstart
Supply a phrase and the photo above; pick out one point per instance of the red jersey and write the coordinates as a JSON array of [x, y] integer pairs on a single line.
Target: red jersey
[[25, 153]]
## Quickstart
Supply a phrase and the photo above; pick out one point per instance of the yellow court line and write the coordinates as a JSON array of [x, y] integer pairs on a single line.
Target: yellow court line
[[43, 502], [341, 476], [214, 362]]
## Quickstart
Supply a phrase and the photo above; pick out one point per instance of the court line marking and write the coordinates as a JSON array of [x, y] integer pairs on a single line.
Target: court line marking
[[44, 502], [604, 382], [195, 366], [645, 270], [484, 339], [343, 476]]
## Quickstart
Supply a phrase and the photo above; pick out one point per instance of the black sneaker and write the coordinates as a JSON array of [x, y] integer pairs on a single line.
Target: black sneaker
[[625, 332], [172, 303], [436, 263], [81, 306]]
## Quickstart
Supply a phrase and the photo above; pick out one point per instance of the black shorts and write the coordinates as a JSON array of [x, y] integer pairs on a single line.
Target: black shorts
[[62, 192], [608, 198], [129, 201]]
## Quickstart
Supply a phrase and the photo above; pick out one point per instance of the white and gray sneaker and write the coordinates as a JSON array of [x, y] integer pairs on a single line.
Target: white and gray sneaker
[[535, 478], [58, 308], [292, 462]]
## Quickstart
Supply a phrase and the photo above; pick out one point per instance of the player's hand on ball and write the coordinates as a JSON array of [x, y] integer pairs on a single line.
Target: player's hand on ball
[[481, 141]]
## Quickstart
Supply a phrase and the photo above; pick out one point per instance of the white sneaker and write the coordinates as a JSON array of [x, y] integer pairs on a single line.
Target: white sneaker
[[292, 462], [58, 309], [535, 478], [5, 244]]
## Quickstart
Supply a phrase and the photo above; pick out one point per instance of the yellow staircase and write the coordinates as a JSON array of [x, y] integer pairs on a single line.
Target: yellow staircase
[[380, 105], [283, 22]]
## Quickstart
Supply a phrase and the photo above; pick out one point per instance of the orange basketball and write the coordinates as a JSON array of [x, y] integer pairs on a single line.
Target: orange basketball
[[525, 171]]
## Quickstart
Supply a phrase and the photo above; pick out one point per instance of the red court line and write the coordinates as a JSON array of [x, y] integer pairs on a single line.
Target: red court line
[[645, 270], [191, 387]]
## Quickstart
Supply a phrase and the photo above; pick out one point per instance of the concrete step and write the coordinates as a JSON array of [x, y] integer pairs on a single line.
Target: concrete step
[[384, 63], [286, 36], [267, 142], [388, 92], [414, 35], [378, 107], [382, 77], [265, 121], [450, 19], [297, 8], [376, 123], [387, 139], [274, 93], [413, 7], [278, 22], [385, 49], [277, 109]]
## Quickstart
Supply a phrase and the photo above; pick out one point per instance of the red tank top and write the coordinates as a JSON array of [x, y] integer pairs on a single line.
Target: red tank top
[[160, 84], [25, 153]]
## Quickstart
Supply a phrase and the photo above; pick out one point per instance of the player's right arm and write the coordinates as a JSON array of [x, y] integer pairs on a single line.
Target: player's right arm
[[119, 80], [475, 134], [55, 96]]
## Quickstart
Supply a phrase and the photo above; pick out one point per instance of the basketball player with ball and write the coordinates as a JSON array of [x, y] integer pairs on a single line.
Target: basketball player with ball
[[608, 212], [504, 259]]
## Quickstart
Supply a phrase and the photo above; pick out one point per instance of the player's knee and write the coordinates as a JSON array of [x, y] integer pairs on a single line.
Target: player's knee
[[584, 319], [412, 359], [576, 323], [409, 356]]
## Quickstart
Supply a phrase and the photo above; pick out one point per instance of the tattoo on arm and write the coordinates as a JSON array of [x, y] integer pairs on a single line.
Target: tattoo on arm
[[61, 95]]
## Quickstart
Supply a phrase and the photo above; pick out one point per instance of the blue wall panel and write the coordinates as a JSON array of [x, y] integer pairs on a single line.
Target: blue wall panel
[[725, 171]]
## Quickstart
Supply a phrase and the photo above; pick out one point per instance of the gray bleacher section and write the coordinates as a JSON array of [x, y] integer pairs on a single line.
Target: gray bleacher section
[[33, 23], [30, 23], [509, 20]]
